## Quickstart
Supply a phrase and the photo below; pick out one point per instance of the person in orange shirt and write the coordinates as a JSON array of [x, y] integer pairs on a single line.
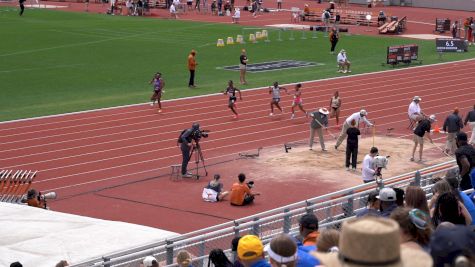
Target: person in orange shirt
[[308, 230], [192, 67], [241, 192]]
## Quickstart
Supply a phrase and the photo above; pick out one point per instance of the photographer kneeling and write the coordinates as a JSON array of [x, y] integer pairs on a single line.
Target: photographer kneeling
[[38, 200], [241, 192]]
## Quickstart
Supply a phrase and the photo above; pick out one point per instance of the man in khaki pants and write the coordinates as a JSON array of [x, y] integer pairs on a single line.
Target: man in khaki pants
[[470, 120], [452, 125], [319, 120]]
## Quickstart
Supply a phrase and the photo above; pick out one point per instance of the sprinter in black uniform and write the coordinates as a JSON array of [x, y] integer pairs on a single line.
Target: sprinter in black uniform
[[231, 92]]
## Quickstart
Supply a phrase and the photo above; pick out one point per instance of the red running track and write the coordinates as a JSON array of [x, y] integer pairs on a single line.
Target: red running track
[[114, 163]]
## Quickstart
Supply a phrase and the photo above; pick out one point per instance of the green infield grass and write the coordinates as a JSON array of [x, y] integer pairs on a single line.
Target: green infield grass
[[54, 61]]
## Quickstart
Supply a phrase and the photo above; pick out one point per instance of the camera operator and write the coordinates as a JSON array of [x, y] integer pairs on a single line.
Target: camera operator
[[241, 192], [34, 200], [185, 141], [368, 171]]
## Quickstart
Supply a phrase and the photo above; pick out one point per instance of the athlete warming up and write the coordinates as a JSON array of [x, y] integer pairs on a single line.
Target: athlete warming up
[[158, 85], [231, 92], [298, 101], [275, 91]]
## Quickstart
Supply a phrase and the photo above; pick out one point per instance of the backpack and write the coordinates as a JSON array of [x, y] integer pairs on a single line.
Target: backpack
[[179, 141]]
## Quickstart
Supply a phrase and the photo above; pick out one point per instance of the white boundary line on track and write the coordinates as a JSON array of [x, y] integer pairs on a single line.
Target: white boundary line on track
[[258, 88]]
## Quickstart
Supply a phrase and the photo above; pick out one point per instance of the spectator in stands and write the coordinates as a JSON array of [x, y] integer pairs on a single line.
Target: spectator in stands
[[414, 111], [470, 120], [251, 252], [219, 259], [448, 209], [227, 8], [183, 258], [236, 17], [241, 193], [214, 8], [399, 196], [381, 18], [173, 11], [368, 170], [461, 196], [454, 29], [308, 230], [319, 121], [453, 246], [439, 188], [452, 125], [326, 19], [358, 117], [465, 156], [327, 240], [373, 241], [214, 190], [352, 146], [387, 201], [334, 37], [336, 23], [372, 206], [64, 263], [16, 264], [343, 62], [192, 68], [189, 4], [421, 129], [416, 199], [307, 239], [415, 227], [282, 251], [234, 246]]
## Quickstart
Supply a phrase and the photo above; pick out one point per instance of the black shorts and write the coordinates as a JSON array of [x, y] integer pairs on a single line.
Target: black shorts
[[231, 102], [276, 100]]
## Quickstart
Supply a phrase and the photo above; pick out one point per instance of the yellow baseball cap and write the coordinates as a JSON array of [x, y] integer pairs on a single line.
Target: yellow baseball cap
[[249, 247]]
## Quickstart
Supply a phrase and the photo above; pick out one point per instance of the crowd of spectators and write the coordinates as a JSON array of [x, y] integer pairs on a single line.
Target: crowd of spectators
[[397, 228]]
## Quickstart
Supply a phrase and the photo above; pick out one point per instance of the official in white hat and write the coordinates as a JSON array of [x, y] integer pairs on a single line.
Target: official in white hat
[[414, 111], [319, 121], [358, 117]]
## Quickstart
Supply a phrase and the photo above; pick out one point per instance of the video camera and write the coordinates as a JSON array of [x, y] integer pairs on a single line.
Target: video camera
[[250, 184], [198, 134], [380, 162]]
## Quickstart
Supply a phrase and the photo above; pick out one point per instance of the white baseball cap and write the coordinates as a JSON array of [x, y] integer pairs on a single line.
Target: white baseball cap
[[387, 194], [417, 98], [363, 112], [432, 117], [148, 261], [323, 111]]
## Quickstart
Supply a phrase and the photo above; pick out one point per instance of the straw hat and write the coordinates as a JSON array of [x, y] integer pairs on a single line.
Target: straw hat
[[323, 111], [372, 241]]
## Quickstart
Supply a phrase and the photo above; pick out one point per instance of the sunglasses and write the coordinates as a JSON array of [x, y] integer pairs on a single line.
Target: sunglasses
[[418, 218]]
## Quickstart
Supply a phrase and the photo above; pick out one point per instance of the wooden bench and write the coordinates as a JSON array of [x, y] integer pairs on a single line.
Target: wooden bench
[[395, 26]]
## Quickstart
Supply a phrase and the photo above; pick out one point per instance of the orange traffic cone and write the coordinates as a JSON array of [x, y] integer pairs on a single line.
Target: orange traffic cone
[[436, 129]]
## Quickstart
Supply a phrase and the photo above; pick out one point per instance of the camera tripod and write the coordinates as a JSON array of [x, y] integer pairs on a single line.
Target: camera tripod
[[199, 158], [379, 177]]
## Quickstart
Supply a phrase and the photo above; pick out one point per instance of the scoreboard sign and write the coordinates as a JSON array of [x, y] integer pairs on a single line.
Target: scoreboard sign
[[442, 25], [450, 45], [402, 53]]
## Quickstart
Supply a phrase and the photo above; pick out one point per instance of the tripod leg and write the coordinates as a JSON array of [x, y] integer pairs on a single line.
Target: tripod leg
[[203, 161]]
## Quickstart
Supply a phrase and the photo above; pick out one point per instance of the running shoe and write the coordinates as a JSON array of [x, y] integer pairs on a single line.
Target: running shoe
[[151, 104], [271, 114], [347, 168], [236, 117], [292, 116], [344, 71], [159, 110], [353, 169], [324, 149], [349, 71]]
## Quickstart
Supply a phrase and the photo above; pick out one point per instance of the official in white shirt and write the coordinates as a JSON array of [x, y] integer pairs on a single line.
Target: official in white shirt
[[237, 15], [358, 117], [368, 169], [343, 62], [414, 111]]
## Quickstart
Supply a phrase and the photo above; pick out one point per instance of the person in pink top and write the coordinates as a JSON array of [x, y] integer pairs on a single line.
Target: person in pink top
[[298, 101]]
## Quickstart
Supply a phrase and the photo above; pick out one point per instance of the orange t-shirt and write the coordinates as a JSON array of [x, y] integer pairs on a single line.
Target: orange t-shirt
[[238, 192], [191, 62]]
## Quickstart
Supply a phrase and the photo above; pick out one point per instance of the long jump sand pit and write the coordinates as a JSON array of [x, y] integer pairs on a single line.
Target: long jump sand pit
[[303, 165]]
